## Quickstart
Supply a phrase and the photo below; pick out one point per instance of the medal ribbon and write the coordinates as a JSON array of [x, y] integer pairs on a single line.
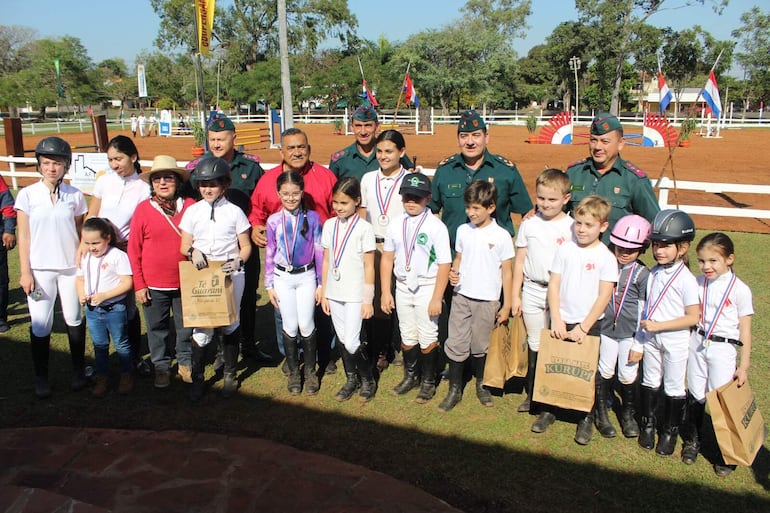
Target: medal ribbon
[[720, 307], [290, 252], [383, 205], [650, 309], [338, 249], [409, 248], [617, 307], [93, 290]]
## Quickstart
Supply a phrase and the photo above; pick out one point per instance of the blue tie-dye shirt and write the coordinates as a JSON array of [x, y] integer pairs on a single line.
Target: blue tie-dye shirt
[[307, 247]]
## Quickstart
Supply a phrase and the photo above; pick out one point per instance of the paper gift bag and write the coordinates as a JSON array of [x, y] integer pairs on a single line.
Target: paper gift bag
[[516, 358], [207, 296], [496, 367], [738, 425], [566, 372]]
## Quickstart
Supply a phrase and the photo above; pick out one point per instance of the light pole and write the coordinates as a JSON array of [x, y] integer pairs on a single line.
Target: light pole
[[574, 65]]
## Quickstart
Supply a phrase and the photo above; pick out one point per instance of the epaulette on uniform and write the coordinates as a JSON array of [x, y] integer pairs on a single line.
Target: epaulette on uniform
[[251, 157], [638, 172], [504, 160], [577, 162], [338, 155], [191, 165], [447, 160]]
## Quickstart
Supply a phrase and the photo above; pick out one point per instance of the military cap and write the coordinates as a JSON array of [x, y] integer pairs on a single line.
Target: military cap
[[604, 123], [415, 184], [221, 123], [470, 121], [365, 113]]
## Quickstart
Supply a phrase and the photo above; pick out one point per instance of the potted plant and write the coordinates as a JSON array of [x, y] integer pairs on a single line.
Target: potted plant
[[531, 127], [685, 129], [199, 139]]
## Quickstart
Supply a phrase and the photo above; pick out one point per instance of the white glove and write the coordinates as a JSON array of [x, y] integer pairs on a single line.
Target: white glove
[[232, 266], [198, 258]]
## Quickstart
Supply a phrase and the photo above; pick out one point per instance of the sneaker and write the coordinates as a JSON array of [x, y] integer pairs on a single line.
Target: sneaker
[[162, 379], [143, 368], [126, 384], [4, 326], [185, 372], [100, 389]]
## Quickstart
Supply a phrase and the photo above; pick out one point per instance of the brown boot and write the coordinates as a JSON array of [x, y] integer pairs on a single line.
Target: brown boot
[[100, 388], [126, 384]]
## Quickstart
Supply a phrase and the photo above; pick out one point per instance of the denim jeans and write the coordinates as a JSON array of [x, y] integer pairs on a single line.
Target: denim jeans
[[158, 317], [105, 323]]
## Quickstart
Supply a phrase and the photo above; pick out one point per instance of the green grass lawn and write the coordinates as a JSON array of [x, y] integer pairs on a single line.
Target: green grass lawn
[[478, 459]]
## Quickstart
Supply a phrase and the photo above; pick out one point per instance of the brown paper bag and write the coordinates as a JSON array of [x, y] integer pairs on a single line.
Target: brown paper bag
[[207, 296], [566, 372], [738, 425], [496, 367], [516, 361]]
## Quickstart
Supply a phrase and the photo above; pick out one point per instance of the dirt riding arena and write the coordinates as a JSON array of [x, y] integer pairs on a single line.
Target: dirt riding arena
[[736, 157]]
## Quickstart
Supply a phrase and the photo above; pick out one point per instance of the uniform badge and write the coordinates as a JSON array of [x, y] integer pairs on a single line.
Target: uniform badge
[[616, 190], [491, 180]]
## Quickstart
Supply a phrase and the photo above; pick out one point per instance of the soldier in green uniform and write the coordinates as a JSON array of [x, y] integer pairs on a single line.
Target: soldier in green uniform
[[360, 157], [245, 172], [475, 162], [605, 173]]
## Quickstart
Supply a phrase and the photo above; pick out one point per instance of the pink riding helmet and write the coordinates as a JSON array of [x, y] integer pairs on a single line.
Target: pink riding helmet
[[631, 232]]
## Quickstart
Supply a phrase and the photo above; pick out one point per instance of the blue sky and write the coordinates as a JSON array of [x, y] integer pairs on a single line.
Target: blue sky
[[123, 28]]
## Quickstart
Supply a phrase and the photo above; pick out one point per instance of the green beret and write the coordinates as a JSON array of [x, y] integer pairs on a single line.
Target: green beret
[[604, 123], [221, 123], [470, 121], [365, 113]]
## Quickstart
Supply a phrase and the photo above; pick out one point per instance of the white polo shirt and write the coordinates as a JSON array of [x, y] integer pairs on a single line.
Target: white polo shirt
[[350, 285], [581, 270], [483, 250], [738, 304], [542, 238], [101, 274], [119, 197], [217, 238], [387, 185], [431, 246], [682, 292], [54, 238]]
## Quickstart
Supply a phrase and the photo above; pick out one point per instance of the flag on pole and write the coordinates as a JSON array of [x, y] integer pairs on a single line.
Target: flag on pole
[[410, 95], [710, 93], [141, 80], [665, 93], [368, 95], [59, 87], [204, 20]]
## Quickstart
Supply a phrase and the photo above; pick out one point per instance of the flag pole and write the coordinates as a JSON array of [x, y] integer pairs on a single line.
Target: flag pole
[[670, 160], [400, 94]]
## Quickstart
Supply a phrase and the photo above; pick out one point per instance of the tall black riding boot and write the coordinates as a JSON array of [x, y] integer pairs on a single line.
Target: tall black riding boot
[[76, 335], [601, 407], [455, 393], [484, 395], [352, 383], [40, 347], [365, 372], [411, 370], [198, 361], [428, 363], [649, 403], [674, 414], [231, 347], [691, 430], [310, 350], [292, 361], [529, 381], [628, 411]]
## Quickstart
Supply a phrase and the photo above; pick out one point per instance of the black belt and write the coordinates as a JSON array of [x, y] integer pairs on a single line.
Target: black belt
[[717, 338], [295, 270], [379, 240], [543, 284]]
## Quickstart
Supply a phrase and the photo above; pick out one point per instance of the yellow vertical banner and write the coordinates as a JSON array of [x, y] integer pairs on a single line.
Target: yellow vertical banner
[[204, 20]]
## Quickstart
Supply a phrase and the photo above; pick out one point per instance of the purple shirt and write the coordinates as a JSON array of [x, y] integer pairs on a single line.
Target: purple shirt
[[285, 227]]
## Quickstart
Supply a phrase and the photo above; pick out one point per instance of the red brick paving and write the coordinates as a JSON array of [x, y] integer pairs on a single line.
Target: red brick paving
[[97, 470]]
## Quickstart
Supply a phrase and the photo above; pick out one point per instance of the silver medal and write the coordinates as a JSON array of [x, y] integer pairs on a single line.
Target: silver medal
[[408, 268], [336, 274], [289, 268], [384, 220]]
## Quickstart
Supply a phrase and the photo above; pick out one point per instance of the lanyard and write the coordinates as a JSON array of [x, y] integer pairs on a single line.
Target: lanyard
[[409, 248], [383, 205], [720, 306], [338, 249], [649, 309], [290, 246], [617, 306], [93, 290]]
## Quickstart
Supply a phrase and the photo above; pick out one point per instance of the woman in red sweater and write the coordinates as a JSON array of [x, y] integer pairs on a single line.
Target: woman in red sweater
[[153, 250]]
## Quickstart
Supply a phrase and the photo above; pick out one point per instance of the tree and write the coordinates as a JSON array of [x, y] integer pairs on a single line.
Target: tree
[[754, 39], [13, 39]]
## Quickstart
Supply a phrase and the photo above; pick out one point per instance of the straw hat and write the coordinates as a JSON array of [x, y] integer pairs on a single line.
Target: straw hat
[[165, 163]]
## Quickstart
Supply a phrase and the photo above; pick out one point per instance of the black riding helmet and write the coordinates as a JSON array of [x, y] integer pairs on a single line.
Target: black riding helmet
[[54, 147], [212, 168], [672, 226]]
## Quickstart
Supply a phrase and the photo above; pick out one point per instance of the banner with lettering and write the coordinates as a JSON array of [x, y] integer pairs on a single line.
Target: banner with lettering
[[204, 21], [566, 372]]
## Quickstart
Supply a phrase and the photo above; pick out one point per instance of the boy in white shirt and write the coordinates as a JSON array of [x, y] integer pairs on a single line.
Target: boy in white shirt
[[583, 274], [536, 243], [417, 252], [482, 267]]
